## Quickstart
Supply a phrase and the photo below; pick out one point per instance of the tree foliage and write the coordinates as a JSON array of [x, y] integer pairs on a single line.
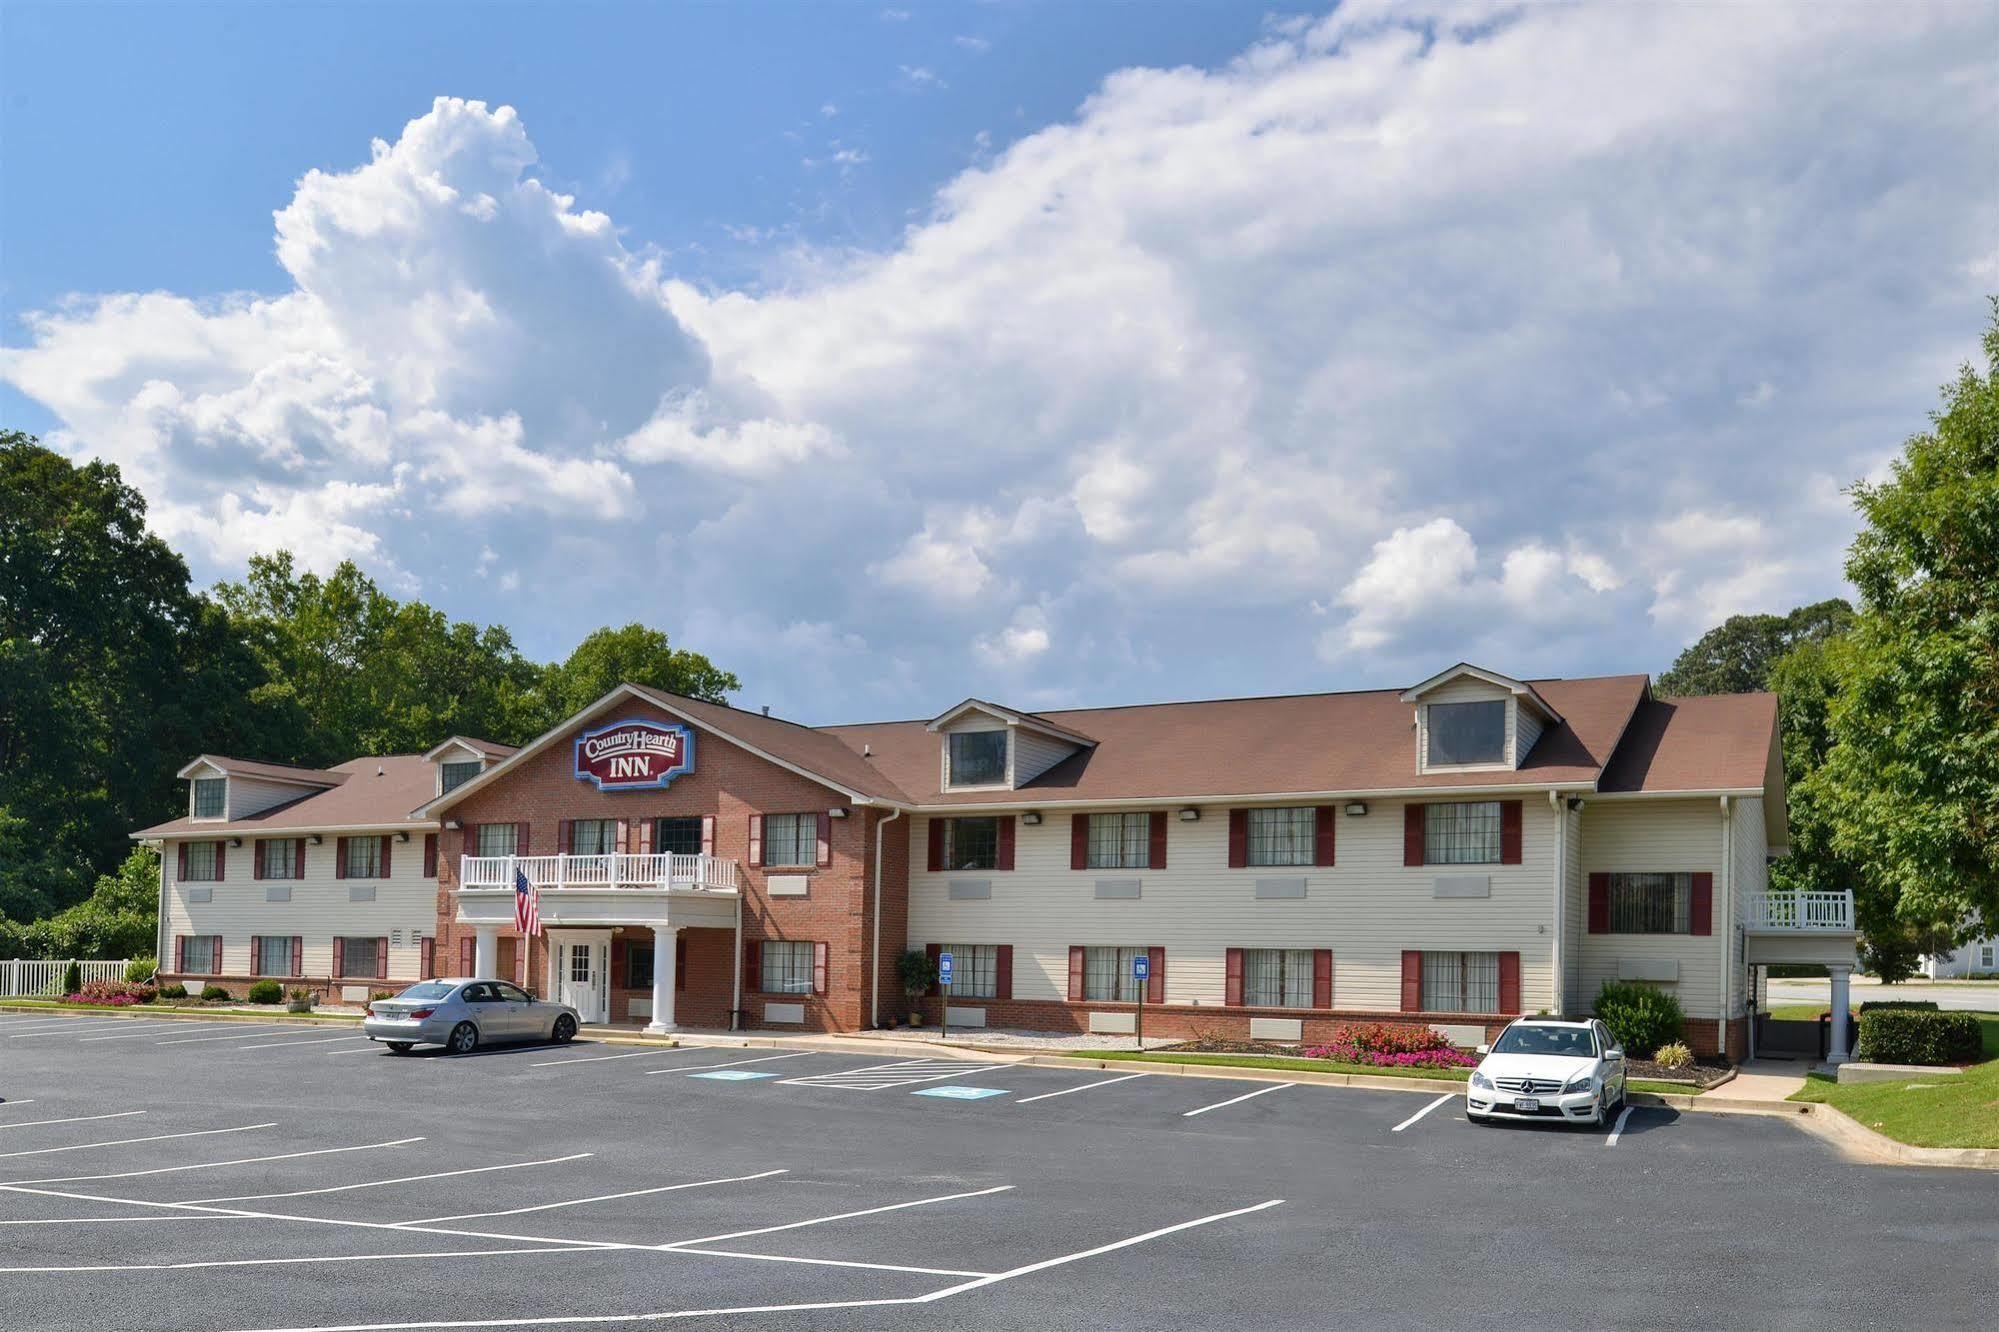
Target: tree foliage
[[634, 654], [1737, 655], [118, 919]]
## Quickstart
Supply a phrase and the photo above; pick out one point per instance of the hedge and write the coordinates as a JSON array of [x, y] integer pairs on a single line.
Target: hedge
[[1915, 1036], [1899, 1005], [1640, 1017]]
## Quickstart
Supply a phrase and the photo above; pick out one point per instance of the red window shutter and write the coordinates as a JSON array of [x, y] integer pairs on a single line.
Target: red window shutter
[[756, 841], [936, 861], [1156, 857], [565, 836], [707, 834], [467, 958], [470, 838], [1006, 842], [298, 956], [427, 958], [180, 954], [819, 952], [340, 857], [1703, 904], [430, 855], [215, 967], [933, 952], [1322, 978], [1324, 830], [1079, 841], [1075, 973], [1155, 980], [339, 957], [298, 858], [1599, 904], [1238, 838], [256, 955], [824, 856], [381, 959], [1003, 971], [1509, 982], [1509, 834], [753, 968], [382, 862], [257, 850], [1232, 978], [221, 858], [1412, 981], [1412, 834], [521, 838], [181, 872], [679, 961]]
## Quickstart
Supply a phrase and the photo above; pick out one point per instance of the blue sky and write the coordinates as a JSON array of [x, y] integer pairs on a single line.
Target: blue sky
[[1062, 354]]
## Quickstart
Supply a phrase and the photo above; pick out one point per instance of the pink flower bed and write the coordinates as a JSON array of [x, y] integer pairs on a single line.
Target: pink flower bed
[[117, 994], [1383, 1046]]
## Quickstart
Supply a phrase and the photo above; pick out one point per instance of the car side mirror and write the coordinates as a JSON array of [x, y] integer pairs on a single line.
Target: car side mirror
[[1485, 1049], [1615, 1054]]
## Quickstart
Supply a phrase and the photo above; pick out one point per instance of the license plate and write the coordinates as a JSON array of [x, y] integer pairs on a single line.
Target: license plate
[[1526, 1104]]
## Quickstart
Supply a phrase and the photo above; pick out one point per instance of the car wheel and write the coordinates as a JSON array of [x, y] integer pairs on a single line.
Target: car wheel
[[400, 1047], [464, 1039], [565, 1030]]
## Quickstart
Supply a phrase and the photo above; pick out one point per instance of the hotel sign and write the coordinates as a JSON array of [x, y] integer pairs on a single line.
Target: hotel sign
[[634, 755]]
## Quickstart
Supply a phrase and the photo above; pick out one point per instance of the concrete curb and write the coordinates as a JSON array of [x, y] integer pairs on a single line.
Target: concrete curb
[[1863, 1143], [188, 1015], [1240, 1073]]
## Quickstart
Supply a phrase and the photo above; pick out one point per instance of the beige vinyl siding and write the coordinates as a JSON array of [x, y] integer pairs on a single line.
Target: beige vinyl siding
[[1575, 911], [1526, 726], [1639, 836], [1751, 876], [1367, 909], [254, 795], [318, 912], [1034, 754]]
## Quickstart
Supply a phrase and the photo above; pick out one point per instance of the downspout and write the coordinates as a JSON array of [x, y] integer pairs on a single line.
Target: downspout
[[875, 971], [736, 981], [1727, 930], [1561, 901], [160, 953]]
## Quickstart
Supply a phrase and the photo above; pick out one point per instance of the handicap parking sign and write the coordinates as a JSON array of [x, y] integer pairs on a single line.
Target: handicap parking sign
[[1141, 966], [943, 968]]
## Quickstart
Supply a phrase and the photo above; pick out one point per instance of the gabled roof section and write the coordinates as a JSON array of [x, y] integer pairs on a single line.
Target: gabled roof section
[[1518, 688], [1031, 720], [1716, 743], [270, 772], [372, 792], [486, 749]]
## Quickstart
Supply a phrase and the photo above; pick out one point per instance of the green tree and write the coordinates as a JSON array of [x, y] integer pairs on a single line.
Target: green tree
[[634, 654], [1737, 655], [1910, 782], [119, 918]]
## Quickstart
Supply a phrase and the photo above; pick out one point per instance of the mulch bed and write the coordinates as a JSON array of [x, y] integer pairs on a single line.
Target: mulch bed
[[1218, 1045], [1701, 1073]]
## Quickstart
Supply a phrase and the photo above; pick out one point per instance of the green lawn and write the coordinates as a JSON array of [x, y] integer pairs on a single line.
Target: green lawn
[[1283, 1064], [1959, 1111], [192, 1006]]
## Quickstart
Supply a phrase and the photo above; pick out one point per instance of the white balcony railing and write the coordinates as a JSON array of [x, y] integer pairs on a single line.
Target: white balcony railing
[[1831, 912], [560, 872]]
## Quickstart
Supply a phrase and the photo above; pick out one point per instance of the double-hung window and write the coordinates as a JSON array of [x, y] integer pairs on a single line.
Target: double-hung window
[[1277, 977], [787, 967], [978, 758], [1120, 841], [1651, 903], [678, 836], [1461, 982], [593, 837], [360, 957], [450, 776], [1107, 975], [1461, 833], [496, 839], [791, 839], [273, 954], [280, 857], [364, 857], [202, 862], [638, 966], [210, 797], [971, 844], [1283, 836], [1467, 733], [198, 954], [974, 970]]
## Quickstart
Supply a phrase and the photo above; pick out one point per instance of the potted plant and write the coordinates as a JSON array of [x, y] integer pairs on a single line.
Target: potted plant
[[299, 1000], [918, 974]]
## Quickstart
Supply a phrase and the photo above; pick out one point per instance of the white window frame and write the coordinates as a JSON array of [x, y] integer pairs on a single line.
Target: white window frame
[[1436, 846], [785, 967], [801, 841], [195, 786], [347, 942], [1455, 981], [370, 865], [1628, 885], [445, 785], [1291, 983], [951, 854], [280, 856], [206, 964], [951, 738], [605, 832], [1282, 836], [513, 839], [974, 970], [202, 873], [1097, 987], [259, 945], [1124, 848]]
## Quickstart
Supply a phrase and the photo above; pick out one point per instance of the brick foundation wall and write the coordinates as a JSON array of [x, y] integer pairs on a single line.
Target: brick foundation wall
[[1188, 1022], [1704, 1036]]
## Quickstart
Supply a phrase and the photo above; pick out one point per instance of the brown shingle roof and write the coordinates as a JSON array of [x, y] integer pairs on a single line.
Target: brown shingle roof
[[1716, 743], [822, 752], [361, 800], [280, 772]]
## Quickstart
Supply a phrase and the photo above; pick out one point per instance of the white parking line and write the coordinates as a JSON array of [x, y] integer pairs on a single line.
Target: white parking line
[[281, 1262], [1618, 1127], [73, 1119], [207, 1165], [126, 1142], [1265, 1091], [1424, 1111], [153, 1029], [901, 1073], [837, 1216], [636, 1054], [1088, 1086], [601, 1197], [317, 1040], [64, 1026], [384, 1183], [249, 1033], [107, 1220], [761, 1059], [831, 1262]]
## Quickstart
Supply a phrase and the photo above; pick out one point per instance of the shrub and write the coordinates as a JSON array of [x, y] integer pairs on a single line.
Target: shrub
[[214, 992], [266, 992], [1915, 1036], [117, 993], [381, 994], [299, 1000], [175, 991], [1640, 1017], [141, 970], [1674, 1054], [1899, 1005], [916, 973], [72, 978], [1384, 1046]]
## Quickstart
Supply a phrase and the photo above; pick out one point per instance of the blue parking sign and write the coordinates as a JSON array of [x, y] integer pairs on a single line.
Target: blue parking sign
[[943, 968], [1141, 966]]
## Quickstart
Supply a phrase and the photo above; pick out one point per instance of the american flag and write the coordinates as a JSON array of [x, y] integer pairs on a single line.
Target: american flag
[[527, 905]]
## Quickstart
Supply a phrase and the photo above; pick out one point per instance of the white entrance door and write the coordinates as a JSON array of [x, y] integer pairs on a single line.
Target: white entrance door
[[583, 977]]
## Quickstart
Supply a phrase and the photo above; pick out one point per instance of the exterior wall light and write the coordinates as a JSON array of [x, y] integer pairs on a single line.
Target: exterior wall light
[[316, 839], [1357, 808], [1190, 815], [840, 813], [451, 824], [1032, 817], [235, 841], [402, 837]]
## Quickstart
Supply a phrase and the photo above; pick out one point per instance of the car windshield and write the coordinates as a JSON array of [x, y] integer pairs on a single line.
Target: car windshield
[[1576, 1042], [427, 990]]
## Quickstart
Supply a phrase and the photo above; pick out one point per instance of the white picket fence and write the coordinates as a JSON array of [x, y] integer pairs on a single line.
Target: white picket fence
[[42, 978]]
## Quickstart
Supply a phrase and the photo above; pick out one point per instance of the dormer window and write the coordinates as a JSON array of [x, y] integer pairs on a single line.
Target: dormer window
[[1465, 733], [451, 775], [978, 758], [210, 797]]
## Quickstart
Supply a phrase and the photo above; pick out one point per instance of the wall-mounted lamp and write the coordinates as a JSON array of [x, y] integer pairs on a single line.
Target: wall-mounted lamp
[[1032, 817], [402, 837], [1190, 815], [235, 841], [452, 824], [836, 813], [315, 839], [1577, 802], [1357, 808]]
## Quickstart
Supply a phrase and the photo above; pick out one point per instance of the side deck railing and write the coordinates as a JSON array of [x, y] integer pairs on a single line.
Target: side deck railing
[[1804, 912]]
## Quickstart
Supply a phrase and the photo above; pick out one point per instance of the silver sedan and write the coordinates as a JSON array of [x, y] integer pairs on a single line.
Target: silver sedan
[[462, 1015]]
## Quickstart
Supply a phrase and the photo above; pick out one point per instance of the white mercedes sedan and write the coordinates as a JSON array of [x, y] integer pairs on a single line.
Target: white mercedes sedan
[[1548, 1068]]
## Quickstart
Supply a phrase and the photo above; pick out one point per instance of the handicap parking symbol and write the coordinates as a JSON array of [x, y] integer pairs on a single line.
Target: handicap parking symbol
[[732, 1075], [961, 1093]]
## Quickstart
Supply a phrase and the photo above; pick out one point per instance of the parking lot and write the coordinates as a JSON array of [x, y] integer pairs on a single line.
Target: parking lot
[[172, 1174]]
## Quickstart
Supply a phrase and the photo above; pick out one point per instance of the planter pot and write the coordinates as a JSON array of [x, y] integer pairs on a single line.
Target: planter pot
[[916, 1019]]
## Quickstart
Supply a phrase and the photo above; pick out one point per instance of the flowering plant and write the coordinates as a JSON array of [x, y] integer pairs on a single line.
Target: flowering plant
[[1383, 1046]]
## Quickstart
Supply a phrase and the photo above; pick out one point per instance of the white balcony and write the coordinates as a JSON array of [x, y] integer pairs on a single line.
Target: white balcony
[[665, 890], [1798, 913], [595, 873]]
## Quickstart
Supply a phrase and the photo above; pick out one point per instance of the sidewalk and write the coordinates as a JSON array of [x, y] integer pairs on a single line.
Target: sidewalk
[[1766, 1080]]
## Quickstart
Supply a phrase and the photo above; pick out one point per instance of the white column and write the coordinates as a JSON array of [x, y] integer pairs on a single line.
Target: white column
[[663, 940], [486, 950], [1840, 1052]]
